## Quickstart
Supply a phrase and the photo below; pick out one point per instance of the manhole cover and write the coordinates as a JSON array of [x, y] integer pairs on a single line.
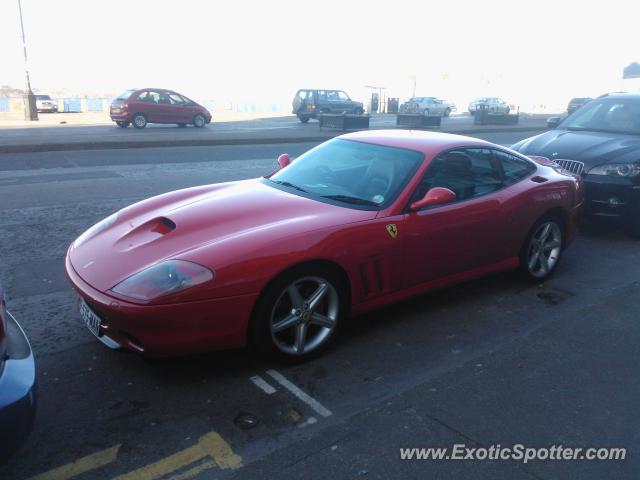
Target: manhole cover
[[246, 421]]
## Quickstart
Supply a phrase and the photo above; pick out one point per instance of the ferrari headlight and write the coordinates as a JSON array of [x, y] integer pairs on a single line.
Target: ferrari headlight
[[170, 276], [617, 169], [97, 228]]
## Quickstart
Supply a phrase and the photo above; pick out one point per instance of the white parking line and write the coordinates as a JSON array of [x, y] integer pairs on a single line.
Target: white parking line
[[313, 403], [263, 385]]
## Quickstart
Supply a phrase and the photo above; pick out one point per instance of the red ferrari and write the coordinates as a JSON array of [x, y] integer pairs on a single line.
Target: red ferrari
[[280, 262]]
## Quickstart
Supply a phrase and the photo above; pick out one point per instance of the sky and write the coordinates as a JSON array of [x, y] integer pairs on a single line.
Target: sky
[[528, 52]]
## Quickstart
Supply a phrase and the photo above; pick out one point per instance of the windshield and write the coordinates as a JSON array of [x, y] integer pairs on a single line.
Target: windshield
[[43, 97], [616, 115], [351, 173], [125, 95]]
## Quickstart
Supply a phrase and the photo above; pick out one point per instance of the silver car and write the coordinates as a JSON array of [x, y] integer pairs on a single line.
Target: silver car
[[494, 104], [430, 106], [44, 103]]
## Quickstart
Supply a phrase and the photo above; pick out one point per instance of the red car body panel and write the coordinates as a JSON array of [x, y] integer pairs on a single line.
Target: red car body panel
[[249, 232], [125, 110]]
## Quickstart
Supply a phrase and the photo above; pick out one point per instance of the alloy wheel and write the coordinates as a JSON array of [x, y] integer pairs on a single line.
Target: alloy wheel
[[544, 249], [304, 316]]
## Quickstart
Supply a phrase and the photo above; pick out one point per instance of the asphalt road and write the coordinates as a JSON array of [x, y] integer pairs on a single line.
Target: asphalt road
[[46, 137], [486, 362]]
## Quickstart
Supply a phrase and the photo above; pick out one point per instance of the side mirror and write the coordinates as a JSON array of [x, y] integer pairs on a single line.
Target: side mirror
[[553, 122], [435, 196], [284, 160]]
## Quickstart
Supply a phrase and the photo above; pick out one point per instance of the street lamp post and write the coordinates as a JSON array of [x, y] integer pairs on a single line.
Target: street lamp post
[[30, 108]]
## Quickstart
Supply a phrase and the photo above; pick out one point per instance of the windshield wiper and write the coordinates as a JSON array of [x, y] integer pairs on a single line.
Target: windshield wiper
[[289, 184], [349, 199]]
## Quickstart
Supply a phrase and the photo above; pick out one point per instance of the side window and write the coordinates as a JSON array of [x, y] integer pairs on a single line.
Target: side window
[[332, 96], [149, 97], [468, 172], [343, 96], [514, 169], [322, 96], [175, 99]]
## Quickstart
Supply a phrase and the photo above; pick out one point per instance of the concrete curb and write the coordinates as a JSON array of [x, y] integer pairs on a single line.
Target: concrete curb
[[113, 145]]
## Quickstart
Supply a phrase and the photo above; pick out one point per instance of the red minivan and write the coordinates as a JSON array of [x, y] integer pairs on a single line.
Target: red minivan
[[156, 105]]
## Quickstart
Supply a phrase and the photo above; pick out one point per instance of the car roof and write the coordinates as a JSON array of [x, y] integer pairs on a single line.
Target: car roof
[[428, 143], [620, 95]]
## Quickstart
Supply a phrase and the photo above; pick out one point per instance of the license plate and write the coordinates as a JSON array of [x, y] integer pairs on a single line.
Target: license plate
[[91, 320]]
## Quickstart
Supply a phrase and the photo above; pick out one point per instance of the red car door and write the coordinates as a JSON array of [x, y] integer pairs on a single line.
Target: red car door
[[461, 236], [181, 111], [168, 110], [149, 104]]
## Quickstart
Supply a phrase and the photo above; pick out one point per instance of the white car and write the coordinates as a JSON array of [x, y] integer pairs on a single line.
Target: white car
[[44, 103], [430, 106], [494, 104]]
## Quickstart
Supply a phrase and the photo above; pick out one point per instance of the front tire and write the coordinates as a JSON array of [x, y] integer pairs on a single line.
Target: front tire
[[298, 315], [542, 249], [425, 112], [303, 118], [199, 121], [358, 111], [139, 120]]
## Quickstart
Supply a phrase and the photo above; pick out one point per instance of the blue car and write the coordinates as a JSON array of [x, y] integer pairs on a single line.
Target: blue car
[[17, 383]]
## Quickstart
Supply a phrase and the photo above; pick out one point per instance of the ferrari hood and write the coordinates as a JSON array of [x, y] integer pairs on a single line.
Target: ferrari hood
[[173, 224], [592, 148]]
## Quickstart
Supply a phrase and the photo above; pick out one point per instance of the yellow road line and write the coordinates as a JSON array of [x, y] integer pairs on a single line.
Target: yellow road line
[[220, 451], [210, 445], [80, 466], [194, 471]]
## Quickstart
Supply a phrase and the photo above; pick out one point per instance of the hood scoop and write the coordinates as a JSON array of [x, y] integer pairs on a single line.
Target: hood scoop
[[144, 234]]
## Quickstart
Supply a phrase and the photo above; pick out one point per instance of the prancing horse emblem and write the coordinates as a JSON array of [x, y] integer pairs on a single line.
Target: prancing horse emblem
[[393, 230]]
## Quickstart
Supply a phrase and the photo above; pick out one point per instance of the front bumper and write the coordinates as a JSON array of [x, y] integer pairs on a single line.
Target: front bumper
[[17, 390], [612, 199], [47, 108], [171, 329]]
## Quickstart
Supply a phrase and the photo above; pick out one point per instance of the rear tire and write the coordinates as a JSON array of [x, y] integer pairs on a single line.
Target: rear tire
[[542, 250], [298, 315], [447, 112], [199, 121], [122, 124], [358, 111], [303, 118], [425, 112], [139, 120]]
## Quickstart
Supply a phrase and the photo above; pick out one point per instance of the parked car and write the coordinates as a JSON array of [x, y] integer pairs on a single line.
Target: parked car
[[493, 104], [309, 103], [576, 103], [600, 142], [17, 383], [278, 262], [156, 105], [430, 106], [44, 103]]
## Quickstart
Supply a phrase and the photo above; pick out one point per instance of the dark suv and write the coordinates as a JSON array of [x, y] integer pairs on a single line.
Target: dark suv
[[308, 103]]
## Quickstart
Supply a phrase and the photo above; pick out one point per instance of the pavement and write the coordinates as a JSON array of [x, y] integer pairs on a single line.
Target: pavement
[[40, 138], [494, 361]]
